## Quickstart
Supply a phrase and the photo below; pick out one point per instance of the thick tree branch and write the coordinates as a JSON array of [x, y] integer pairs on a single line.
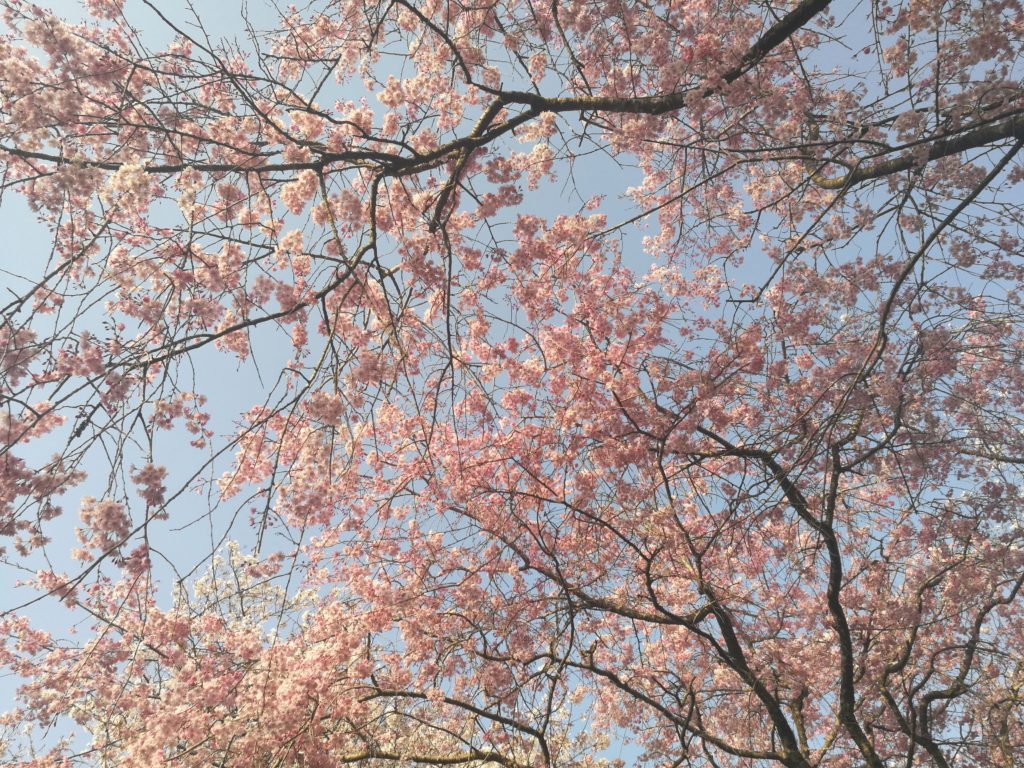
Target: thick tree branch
[[917, 157]]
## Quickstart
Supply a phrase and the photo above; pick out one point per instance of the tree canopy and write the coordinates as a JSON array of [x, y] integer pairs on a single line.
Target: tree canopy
[[514, 383]]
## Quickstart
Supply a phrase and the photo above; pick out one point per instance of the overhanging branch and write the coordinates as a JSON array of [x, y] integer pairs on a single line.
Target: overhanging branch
[[1009, 128]]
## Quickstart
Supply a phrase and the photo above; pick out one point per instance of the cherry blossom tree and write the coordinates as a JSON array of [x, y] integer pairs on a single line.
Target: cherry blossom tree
[[614, 381]]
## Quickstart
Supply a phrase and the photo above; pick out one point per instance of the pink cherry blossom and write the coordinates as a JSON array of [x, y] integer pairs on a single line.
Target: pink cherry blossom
[[524, 384]]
